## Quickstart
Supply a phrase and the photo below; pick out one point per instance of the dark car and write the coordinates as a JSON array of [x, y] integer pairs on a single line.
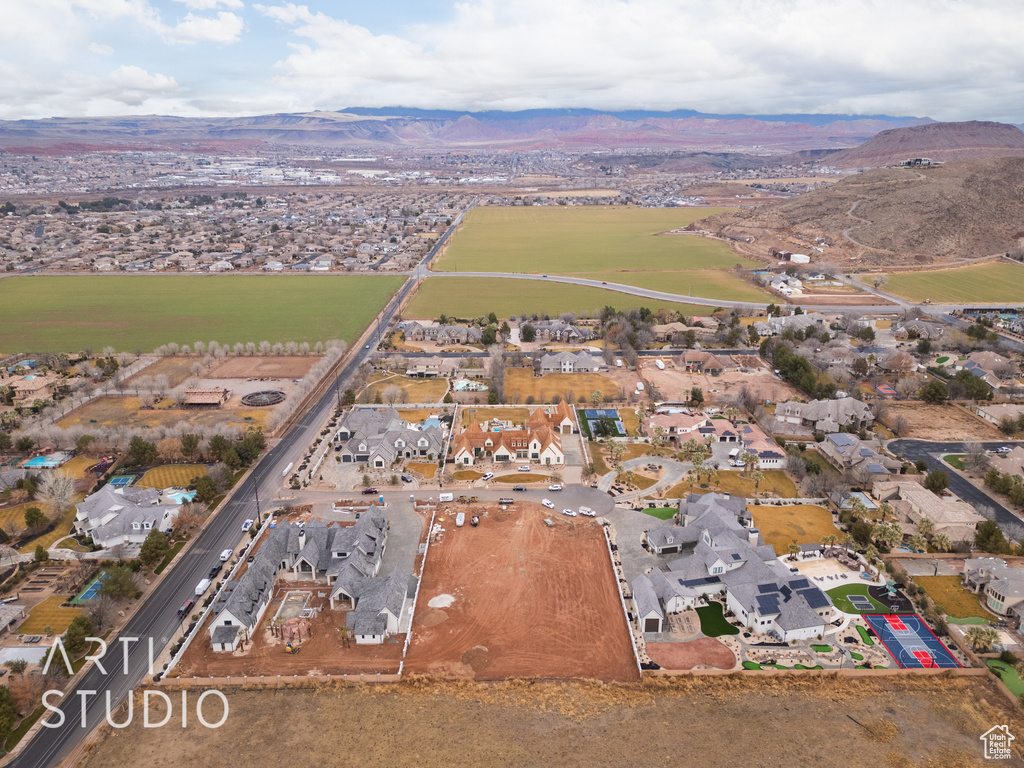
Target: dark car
[[406, 479], [368, 491], [214, 571], [186, 608], [518, 487]]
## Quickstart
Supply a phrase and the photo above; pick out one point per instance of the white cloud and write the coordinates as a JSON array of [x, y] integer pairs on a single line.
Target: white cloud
[[100, 49], [209, 5], [224, 28]]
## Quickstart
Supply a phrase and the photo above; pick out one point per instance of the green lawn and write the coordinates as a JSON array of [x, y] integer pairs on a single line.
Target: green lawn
[[469, 297], [955, 460], [950, 597], [864, 636], [1008, 675], [821, 648], [712, 621], [662, 513], [131, 312], [839, 595], [993, 281]]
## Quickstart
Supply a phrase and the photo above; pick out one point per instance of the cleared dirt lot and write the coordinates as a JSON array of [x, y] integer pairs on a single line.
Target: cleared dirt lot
[[283, 367], [114, 411], [940, 422], [711, 722], [675, 385], [705, 652], [529, 600]]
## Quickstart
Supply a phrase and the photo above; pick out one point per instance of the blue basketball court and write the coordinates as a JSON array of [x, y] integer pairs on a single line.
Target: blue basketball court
[[122, 481], [910, 641]]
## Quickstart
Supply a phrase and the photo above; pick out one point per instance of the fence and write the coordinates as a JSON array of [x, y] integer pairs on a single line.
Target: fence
[[419, 583], [622, 599], [276, 681]]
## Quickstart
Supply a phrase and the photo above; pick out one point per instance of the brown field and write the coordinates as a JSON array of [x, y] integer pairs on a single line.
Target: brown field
[[113, 411], [522, 382], [703, 652], [416, 390], [529, 601], [283, 367], [675, 385], [424, 468], [323, 653], [794, 721], [515, 415], [176, 369], [799, 523], [940, 422]]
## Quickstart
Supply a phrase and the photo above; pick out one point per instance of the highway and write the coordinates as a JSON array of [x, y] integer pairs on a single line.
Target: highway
[[157, 617]]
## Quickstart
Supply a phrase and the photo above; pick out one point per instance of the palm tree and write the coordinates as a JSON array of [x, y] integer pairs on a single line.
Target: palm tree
[[981, 638], [757, 476], [871, 553], [942, 543], [918, 543], [829, 541], [749, 459], [885, 508], [793, 548], [926, 526], [848, 540]]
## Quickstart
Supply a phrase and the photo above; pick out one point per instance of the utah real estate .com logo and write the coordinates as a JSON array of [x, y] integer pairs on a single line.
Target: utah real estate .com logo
[[997, 742]]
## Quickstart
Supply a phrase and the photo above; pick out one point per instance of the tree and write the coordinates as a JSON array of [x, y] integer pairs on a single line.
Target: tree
[[34, 518], [219, 445], [924, 346], [527, 333], [596, 397], [981, 638], [101, 612], [17, 666], [8, 712], [880, 280], [154, 548], [937, 481], [988, 538], [829, 541], [926, 526], [74, 638], [392, 394], [206, 489], [119, 584], [58, 490], [189, 445], [933, 392], [142, 452], [24, 444], [41, 555], [867, 333], [918, 543], [793, 548], [749, 459], [696, 397], [941, 542]]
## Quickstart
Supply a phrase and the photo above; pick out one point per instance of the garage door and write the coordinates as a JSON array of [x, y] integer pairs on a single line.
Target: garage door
[[652, 625]]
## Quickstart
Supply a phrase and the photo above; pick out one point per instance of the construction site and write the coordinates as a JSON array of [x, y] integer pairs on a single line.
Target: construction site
[[525, 593]]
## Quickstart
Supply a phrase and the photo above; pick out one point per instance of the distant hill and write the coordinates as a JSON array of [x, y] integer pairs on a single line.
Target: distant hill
[[943, 142], [532, 129], [890, 216]]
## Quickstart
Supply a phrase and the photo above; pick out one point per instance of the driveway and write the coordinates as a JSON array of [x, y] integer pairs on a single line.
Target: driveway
[[675, 472]]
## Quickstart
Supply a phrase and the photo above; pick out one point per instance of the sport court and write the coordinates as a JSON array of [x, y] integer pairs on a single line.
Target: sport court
[[91, 592], [594, 415], [122, 481], [911, 642]]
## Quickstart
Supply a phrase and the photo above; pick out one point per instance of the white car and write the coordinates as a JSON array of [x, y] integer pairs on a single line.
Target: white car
[[523, 469], [587, 512], [548, 503], [247, 524], [487, 476], [555, 487], [569, 512], [735, 463]]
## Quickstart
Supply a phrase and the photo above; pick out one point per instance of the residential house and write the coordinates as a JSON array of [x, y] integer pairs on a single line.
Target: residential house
[[774, 326], [699, 361], [996, 413], [1001, 584], [769, 454], [114, 516], [432, 367], [722, 554], [28, 389], [988, 366], [910, 501], [675, 427], [442, 334], [557, 330], [385, 440], [897, 361], [918, 329], [862, 457], [539, 441], [569, 362], [826, 415]]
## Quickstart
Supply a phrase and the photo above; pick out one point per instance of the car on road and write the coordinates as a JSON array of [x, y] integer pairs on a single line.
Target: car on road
[[569, 512], [247, 524], [367, 346], [369, 491], [1004, 449], [604, 282], [736, 463], [226, 555], [525, 468], [548, 503], [518, 487], [214, 571], [487, 476], [587, 512], [202, 586], [186, 608], [406, 479], [555, 487]]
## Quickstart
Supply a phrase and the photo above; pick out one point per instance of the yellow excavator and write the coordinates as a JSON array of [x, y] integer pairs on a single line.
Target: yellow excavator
[[289, 648]]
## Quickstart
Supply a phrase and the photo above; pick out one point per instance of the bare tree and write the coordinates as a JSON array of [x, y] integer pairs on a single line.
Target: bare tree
[[58, 490], [392, 394]]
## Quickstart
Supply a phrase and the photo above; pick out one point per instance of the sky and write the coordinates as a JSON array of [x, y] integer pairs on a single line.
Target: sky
[[945, 59]]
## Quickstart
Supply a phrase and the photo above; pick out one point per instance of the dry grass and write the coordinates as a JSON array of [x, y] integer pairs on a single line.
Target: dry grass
[[423, 468], [416, 390], [469, 475], [801, 523], [485, 413], [521, 477], [776, 482], [59, 532], [940, 422], [951, 597], [522, 382], [12, 519], [171, 475], [630, 420], [114, 411], [77, 467], [49, 614]]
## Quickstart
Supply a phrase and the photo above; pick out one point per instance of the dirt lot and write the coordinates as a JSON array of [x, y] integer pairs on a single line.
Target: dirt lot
[[529, 600], [284, 367], [324, 653], [712, 722], [940, 422], [113, 411], [176, 369], [703, 652], [675, 385]]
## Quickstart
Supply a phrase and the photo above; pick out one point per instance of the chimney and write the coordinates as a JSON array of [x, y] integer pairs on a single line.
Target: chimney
[[726, 494], [302, 538], [752, 534]]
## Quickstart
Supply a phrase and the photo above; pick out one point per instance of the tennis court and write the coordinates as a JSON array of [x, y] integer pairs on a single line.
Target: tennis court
[[122, 481], [594, 415], [910, 641], [91, 592]]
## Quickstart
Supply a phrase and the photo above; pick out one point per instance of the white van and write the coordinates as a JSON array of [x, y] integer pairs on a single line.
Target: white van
[[226, 555], [202, 586], [734, 453], [446, 497]]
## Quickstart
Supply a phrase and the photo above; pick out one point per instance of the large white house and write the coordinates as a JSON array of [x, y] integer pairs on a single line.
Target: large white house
[[723, 554], [114, 516]]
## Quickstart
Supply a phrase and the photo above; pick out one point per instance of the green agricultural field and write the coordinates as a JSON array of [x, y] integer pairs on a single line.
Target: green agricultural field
[[470, 297], [621, 245], [991, 282], [131, 312]]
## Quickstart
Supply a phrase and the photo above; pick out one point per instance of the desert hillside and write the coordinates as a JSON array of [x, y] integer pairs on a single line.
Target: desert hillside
[[891, 216]]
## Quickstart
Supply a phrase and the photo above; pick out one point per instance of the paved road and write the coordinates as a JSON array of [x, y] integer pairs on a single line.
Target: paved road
[[1011, 524], [157, 617]]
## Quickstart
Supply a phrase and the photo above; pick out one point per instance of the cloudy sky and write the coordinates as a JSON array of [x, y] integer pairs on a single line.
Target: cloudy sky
[[946, 59]]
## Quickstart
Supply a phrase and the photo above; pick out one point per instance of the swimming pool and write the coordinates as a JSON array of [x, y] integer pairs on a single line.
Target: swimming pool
[[464, 385], [179, 496], [46, 462]]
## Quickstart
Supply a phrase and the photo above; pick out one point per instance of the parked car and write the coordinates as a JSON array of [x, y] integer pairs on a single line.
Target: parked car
[[518, 487], [247, 524], [225, 555], [406, 479], [214, 571], [202, 586], [1004, 449], [548, 503], [587, 512], [186, 608], [555, 487], [487, 476], [525, 468], [369, 491], [569, 512]]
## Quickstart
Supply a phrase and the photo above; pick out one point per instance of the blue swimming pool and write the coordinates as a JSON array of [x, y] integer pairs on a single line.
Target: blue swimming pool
[[46, 462], [179, 496]]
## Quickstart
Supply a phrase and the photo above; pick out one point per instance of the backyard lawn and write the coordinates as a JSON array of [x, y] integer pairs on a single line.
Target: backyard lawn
[[800, 523], [1008, 675], [522, 382], [950, 597], [713, 622], [416, 390], [49, 614], [515, 415], [171, 476], [775, 482], [839, 599], [61, 530], [662, 513]]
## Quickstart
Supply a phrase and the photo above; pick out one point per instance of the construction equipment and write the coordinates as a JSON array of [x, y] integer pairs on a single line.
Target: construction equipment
[[475, 520], [292, 649], [473, 499], [462, 500]]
